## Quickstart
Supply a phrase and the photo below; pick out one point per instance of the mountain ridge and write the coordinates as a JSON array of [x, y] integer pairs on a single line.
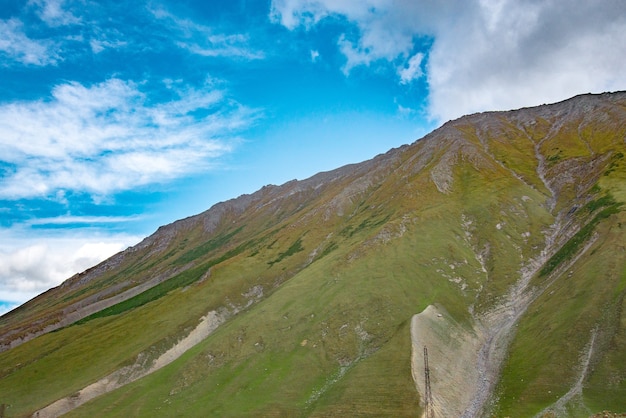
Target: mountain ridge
[[465, 218]]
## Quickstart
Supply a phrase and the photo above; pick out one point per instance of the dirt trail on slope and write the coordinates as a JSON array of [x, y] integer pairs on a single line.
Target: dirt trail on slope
[[559, 408], [128, 374]]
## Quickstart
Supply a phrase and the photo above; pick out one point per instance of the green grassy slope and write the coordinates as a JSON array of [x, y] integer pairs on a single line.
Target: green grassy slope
[[582, 300], [320, 279]]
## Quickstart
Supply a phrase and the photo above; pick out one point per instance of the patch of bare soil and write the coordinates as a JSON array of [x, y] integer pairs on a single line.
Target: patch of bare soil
[[452, 353]]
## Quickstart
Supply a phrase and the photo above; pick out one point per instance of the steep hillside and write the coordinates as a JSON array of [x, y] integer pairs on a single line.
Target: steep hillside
[[496, 241]]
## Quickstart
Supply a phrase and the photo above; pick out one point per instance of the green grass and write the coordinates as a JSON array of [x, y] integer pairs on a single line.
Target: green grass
[[296, 247], [369, 223], [332, 246], [330, 335], [181, 280], [253, 365], [59, 364], [572, 246], [211, 245], [544, 358]]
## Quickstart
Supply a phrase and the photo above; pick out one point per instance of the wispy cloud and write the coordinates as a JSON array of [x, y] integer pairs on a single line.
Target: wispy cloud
[[99, 45], [16, 46], [486, 54], [81, 220], [111, 136], [57, 30], [53, 12], [204, 40]]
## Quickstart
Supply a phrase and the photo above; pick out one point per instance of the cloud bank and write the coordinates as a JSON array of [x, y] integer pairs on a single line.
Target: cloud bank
[[485, 54]]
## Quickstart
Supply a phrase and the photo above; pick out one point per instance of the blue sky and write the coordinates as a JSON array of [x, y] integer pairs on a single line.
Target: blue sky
[[118, 117]]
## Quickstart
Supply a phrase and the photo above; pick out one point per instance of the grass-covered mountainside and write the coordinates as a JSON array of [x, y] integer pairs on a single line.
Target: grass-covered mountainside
[[498, 241]]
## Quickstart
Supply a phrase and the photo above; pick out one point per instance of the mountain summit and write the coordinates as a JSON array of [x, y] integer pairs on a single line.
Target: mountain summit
[[495, 245]]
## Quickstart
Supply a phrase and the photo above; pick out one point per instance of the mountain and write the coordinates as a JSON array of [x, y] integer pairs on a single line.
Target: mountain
[[495, 245]]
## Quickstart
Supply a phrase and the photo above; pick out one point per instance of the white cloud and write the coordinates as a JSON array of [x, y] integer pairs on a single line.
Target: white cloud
[[486, 54], [99, 45], [232, 47], [375, 20], [355, 55], [203, 40], [315, 55], [294, 13], [108, 137], [17, 46], [53, 13], [70, 219], [29, 266], [404, 111], [413, 70]]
